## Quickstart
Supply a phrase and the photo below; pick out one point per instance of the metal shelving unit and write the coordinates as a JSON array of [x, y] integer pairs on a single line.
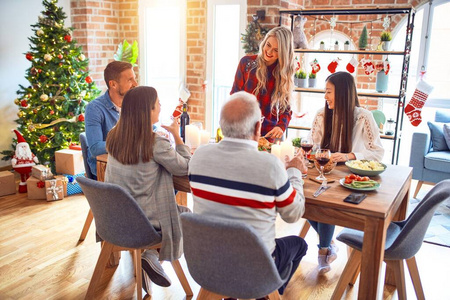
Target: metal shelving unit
[[410, 13]]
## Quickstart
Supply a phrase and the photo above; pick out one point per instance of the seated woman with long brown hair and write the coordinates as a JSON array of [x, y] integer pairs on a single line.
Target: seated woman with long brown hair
[[350, 132], [143, 163]]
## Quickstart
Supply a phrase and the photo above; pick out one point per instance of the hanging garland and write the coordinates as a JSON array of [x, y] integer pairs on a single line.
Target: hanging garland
[[254, 34]]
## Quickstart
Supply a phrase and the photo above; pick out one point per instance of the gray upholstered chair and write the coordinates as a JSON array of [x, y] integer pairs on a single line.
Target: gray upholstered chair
[[122, 225], [228, 259], [87, 170], [403, 241], [430, 158]]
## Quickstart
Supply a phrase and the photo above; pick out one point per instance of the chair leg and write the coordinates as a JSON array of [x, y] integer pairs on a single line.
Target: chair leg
[[347, 274], [304, 229], [138, 272], [275, 295], [399, 273], [86, 226], [414, 273], [419, 185], [182, 277], [99, 268], [204, 294]]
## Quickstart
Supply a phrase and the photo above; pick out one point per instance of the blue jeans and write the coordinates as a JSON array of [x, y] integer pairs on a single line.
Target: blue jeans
[[288, 253], [325, 232]]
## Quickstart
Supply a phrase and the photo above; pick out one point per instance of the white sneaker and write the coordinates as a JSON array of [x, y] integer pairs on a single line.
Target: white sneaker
[[332, 253], [324, 266]]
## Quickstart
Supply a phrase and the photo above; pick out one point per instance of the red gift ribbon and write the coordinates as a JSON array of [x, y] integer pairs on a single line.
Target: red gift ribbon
[[40, 184]]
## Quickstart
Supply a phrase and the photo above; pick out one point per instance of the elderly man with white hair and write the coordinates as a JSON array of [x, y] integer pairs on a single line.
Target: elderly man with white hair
[[232, 180]]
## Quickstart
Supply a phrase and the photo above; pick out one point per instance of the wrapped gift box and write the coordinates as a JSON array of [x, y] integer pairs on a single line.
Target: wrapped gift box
[[72, 185], [54, 189], [41, 172], [64, 181], [7, 183], [36, 188], [69, 161]]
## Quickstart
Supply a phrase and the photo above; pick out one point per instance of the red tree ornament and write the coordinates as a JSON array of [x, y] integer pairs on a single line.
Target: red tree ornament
[[88, 79], [24, 103], [43, 139], [81, 118], [68, 38], [60, 56], [52, 112], [29, 56]]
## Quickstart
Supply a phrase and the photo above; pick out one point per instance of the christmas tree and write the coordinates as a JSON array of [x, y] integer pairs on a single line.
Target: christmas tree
[[363, 39], [254, 34], [51, 108]]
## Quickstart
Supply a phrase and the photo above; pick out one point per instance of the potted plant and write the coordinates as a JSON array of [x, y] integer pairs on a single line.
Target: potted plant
[[386, 38], [362, 43], [346, 45], [300, 79], [312, 80], [336, 45], [322, 45]]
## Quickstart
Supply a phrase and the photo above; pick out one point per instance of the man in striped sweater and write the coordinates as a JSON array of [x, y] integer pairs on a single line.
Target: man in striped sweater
[[233, 180]]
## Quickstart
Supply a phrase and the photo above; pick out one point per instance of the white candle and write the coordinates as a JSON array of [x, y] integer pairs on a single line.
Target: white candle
[[276, 150], [204, 137], [192, 136], [287, 149]]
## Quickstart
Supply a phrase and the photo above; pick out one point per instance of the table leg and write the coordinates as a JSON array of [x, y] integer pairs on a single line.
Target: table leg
[[181, 198], [372, 258]]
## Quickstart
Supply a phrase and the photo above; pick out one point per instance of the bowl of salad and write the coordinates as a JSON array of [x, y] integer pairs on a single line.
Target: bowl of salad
[[366, 167]]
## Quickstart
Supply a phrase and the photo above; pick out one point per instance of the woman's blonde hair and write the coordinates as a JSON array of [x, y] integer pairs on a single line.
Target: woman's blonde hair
[[283, 72], [131, 140]]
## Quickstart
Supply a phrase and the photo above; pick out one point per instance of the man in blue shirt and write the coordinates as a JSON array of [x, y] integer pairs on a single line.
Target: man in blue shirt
[[103, 113]]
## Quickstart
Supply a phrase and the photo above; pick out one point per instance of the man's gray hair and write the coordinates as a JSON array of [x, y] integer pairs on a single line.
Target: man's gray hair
[[239, 115]]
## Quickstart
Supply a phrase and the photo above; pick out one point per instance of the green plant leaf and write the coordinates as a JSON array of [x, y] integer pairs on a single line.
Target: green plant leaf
[[127, 53]]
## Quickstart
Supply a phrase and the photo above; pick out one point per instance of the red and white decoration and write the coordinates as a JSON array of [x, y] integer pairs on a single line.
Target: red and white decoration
[[368, 66], [352, 64], [333, 65], [414, 107], [22, 161], [315, 67]]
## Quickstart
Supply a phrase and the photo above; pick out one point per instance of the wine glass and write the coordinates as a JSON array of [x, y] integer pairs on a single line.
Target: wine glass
[[306, 144], [323, 157]]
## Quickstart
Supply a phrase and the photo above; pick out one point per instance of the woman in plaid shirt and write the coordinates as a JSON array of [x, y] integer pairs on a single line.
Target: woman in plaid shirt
[[269, 76]]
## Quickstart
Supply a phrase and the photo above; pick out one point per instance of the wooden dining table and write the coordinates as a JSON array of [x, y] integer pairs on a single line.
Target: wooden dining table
[[373, 215], [389, 202]]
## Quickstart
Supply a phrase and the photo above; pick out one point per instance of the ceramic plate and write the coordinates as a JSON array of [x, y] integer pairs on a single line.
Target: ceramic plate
[[372, 188]]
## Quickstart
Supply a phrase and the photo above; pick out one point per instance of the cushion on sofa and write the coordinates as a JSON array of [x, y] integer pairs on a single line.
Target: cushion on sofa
[[437, 136], [447, 134], [438, 161]]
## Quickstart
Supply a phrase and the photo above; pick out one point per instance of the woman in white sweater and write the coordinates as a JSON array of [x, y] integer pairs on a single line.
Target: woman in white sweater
[[350, 132]]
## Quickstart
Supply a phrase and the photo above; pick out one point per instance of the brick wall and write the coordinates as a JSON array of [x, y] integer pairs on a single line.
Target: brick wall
[[196, 35], [99, 26]]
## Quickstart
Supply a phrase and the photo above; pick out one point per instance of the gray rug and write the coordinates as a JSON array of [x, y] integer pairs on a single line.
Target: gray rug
[[438, 232]]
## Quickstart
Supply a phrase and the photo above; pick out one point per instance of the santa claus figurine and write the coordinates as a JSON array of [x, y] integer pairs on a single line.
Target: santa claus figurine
[[22, 161]]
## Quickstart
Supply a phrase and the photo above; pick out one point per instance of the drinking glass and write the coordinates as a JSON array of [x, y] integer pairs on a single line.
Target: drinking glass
[[323, 157], [307, 145]]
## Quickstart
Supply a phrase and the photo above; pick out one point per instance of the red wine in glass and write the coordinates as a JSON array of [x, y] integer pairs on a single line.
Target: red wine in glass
[[322, 160], [307, 147]]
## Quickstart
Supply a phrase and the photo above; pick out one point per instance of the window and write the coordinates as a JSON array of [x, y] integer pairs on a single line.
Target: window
[[226, 22], [162, 49]]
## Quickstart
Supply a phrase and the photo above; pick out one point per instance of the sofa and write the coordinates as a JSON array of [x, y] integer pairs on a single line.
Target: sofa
[[430, 152]]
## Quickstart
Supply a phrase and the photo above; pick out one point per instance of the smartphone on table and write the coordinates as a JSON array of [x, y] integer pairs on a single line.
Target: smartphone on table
[[355, 198]]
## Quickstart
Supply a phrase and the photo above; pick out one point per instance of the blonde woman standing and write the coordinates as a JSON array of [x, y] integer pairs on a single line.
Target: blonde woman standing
[[269, 76]]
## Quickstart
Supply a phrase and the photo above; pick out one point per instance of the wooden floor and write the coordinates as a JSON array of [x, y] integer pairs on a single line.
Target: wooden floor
[[40, 258]]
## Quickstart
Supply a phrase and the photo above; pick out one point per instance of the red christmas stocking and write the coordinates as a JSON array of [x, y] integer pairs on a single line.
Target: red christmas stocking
[[414, 107], [315, 67], [333, 65], [352, 64]]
